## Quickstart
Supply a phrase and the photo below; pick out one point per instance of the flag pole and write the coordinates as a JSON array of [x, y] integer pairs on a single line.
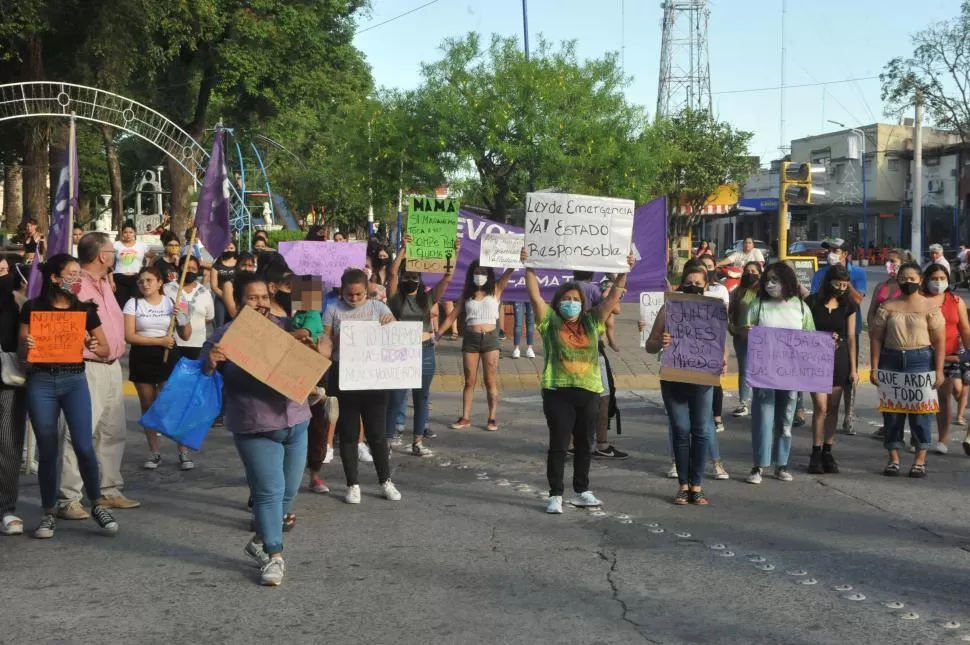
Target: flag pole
[[71, 152], [178, 296]]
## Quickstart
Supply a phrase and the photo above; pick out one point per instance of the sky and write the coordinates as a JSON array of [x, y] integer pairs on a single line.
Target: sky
[[825, 41]]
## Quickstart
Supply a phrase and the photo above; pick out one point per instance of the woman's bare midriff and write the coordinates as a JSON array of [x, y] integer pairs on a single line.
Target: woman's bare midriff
[[481, 329]]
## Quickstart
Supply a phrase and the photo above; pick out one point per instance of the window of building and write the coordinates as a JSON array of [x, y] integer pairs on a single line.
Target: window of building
[[931, 161], [822, 157], [839, 172], [894, 165]]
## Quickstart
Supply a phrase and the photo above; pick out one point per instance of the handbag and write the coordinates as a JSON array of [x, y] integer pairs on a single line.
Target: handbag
[[12, 370], [187, 406]]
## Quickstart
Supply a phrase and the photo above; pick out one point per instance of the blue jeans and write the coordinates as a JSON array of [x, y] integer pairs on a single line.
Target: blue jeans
[[274, 463], [48, 395], [690, 419], [921, 425], [221, 315], [524, 310], [420, 397], [741, 353], [772, 413]]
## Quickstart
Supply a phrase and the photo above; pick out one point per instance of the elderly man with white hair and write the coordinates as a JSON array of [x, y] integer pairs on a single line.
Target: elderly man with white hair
[[936, 257]]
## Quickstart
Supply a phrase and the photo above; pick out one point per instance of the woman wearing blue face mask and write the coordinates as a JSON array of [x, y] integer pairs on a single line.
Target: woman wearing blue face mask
[[571, 383]]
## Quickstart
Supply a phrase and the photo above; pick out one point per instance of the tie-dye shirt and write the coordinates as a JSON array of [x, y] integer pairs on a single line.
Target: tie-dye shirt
[[572, 359]]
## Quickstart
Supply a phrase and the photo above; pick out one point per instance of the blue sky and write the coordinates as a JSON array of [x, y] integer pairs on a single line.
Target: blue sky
[[827, 40]]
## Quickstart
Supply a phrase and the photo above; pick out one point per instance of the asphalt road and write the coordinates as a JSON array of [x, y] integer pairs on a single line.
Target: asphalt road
[[469, 556]]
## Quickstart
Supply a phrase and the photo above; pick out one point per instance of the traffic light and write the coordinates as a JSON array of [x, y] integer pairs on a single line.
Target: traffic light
[[796, 182]]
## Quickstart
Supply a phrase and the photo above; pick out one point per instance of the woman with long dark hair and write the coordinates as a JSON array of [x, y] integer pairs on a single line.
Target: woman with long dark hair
[[129, 259], [13, 404], [481, 305], [222, 273], [56, 388], [741, 299]]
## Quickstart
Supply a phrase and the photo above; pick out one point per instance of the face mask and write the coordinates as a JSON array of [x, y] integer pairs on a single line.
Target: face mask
[[692, 289], [285, 300], [773, 289], [837, 291], [891, 268], [570, 308], [749, 279], [909, 288], [479, 280], [834, 258], [191, 277], [228, 255], [72, 288], [409, 286], [938, 286]]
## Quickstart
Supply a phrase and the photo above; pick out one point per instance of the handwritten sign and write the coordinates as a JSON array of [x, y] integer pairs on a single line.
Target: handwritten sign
[[698, 325], [790, 359], [433, 227], [907, 393], [277, 359], [650, 304], [502, 251], [805, 268], [578, 232], [59, 336], [325, 260], [380, 357]]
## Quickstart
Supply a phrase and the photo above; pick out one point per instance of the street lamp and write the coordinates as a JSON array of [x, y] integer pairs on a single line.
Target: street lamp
[[865, 188]]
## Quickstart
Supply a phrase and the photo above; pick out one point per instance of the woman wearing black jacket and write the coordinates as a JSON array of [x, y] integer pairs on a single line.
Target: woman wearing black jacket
[[13, 407]]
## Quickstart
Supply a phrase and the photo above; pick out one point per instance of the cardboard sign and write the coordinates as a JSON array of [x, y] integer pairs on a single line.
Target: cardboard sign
[[791, 359], [59, 336], [698, 325], [269, 354], [650, 304], [907, 393], [325, 260], [380, 357], [578, 232], [433, 227], [502, 251]]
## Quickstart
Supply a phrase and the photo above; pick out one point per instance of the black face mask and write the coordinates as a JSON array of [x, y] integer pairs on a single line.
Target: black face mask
[[712, 276], [228, 255], [191, 277], [838, 292], [409, 286], [692, 289], [909, 288], [749, 280], [285, 300]]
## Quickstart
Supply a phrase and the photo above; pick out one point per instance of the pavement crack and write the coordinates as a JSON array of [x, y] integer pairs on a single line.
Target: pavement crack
[[612, 560]]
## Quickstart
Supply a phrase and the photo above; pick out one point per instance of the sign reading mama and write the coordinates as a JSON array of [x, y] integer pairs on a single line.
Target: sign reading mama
[[433, 227]]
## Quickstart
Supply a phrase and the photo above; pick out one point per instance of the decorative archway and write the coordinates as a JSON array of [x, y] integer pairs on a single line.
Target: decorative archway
[[51, 99]]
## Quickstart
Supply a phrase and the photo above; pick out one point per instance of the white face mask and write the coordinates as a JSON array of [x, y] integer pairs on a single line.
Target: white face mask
[[479, 280], [834, 258], [773, 289], [938, 286]]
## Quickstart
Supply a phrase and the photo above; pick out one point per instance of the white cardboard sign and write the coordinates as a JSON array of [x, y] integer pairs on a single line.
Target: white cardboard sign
[[578, 232], [380, 357], [650, 304], [502, 250]]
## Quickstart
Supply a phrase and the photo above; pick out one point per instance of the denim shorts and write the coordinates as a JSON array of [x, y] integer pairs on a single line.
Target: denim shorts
[[474, 342]]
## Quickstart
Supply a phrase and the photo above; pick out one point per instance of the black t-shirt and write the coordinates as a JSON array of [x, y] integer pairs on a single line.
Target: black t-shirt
[[169, 271], [93, 319], [836, 320]]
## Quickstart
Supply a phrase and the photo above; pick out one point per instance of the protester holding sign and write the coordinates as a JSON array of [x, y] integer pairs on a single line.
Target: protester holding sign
[[56, 388], [480, 303], [833, 310], [908, 342], [777, 305], [689, 405], [571, 382], [741, 299]]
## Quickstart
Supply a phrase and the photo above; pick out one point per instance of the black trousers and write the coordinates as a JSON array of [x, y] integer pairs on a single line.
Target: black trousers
[[718, 401], [361, 406], [570, 412]]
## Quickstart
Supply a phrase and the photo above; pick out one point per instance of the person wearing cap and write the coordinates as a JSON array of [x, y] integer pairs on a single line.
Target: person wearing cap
[[936, 257]]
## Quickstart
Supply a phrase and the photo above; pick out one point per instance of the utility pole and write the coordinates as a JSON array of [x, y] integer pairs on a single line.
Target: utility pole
[[525, 26], [916, 227]]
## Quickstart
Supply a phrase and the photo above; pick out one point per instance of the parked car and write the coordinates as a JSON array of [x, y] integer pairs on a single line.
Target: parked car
[[809, 248], [738, 247]]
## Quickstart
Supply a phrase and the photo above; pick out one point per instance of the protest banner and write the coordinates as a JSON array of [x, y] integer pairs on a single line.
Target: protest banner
[[578, 232], [907, 393], [59, 336], [650, 304], [325, 260], [433, 227], [269, 354], [698, 325], [502, 251], [790, 359], [380, 357]]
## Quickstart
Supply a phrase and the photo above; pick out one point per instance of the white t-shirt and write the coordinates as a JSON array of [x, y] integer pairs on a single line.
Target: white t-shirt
[[943, 262], [202, 309], [129, 259], [151, 321], [718, 290], [740, 258]]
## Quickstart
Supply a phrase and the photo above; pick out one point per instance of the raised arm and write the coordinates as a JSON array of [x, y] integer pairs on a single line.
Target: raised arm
[[539, 306], [606, 307], [392, 278], [502, 282]]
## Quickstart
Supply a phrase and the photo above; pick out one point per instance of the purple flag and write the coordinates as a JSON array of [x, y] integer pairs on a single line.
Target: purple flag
[[212, 213], [59, 234]]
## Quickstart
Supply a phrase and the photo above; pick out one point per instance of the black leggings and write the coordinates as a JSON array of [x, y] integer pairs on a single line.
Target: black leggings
[[369, 406], [718, 401], [570, 412]]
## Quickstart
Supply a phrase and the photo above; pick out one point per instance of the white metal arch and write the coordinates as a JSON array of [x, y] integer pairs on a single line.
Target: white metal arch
[[56, 99]]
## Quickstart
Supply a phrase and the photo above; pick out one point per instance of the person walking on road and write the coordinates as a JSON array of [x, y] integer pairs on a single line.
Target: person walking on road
[[741, 299]]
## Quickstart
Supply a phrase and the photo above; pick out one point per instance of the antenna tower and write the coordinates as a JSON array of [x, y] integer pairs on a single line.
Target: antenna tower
[[685, 70]]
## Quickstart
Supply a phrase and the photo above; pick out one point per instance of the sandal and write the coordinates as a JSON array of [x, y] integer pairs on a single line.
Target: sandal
[[461, 424], [10, 524], [289, 521], [917, 471], [891, 469], [682, 498], [492, 425], [698, 497]]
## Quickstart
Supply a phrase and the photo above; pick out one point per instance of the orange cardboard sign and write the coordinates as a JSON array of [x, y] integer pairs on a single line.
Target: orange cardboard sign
[[59, 336], [269, 354]]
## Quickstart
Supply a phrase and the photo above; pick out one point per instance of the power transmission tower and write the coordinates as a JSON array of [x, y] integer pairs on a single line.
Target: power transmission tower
[[685, 70]]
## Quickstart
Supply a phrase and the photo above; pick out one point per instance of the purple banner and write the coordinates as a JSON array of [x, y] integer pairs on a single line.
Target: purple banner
[[790, 359], [649, 274], [212, 212]]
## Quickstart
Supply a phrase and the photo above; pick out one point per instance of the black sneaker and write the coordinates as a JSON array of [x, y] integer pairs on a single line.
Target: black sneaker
[[799, 419], [429, 433], [46, 527], [610, 453], [829, 464], [815, 464], [104, 519]]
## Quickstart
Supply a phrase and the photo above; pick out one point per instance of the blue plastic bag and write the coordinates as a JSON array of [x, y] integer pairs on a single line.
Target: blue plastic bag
[[187, 406]]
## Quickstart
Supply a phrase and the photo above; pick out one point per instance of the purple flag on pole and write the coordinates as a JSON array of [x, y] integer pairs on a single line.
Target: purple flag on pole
[[59, 234], [212, 213]]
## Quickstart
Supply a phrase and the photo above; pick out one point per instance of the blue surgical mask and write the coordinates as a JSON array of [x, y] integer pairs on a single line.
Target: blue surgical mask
[[570, 309]]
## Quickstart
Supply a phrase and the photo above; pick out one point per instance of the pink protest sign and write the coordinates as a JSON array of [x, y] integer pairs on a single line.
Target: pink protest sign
[[790, 359], [326, 260]]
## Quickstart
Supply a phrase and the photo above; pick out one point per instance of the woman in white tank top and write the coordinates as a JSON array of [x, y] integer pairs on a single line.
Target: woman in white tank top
[[480, 303]]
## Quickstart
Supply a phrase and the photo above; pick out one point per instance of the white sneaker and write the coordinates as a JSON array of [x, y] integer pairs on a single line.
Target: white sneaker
[[783, 474], [364, 454], [719, 472], [185, 461], [672, 473], [529, 352], [329, 457], [271, 575], [353, 494], [390, 492], [516, 353], [555, 505], [46, 527], [585, 500], [396, 441], [754, 477], [941, 448], [153, 463], [256, 552]]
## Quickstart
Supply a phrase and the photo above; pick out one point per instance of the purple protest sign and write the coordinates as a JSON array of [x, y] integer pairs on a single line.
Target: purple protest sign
[[326, 260], [790, 359], [649, 274], [698, 325]]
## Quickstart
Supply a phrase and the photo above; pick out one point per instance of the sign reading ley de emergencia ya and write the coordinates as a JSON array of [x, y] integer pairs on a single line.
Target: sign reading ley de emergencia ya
[[433, 227], [578, 232]]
